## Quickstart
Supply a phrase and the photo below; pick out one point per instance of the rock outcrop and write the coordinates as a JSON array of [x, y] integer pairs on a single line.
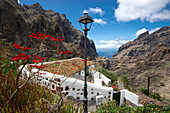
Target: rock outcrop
[[103, 62], [17, 22]]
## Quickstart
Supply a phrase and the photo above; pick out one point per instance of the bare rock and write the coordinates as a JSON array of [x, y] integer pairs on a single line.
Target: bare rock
[[17, 22]]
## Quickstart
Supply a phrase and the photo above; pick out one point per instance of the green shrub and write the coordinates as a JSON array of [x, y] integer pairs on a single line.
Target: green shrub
[[143, 90], [53, 59], [110, 75], [126, 81], [156, 95], [110, 107], [153, 95], [162, 84]]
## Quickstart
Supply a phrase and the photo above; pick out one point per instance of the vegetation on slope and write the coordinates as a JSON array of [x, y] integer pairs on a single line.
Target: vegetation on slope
[[111, 107]]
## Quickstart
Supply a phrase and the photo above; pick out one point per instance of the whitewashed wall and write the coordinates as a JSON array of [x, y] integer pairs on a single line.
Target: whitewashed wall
[[75, 87], [99, 75], [129, 96]]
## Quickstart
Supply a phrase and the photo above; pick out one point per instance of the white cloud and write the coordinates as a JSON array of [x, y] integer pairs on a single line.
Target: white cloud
[[153, 30], [144, 30], [164, 15], [140, 31], [85, 11], [94, 11], [111, 44], [149, 10], [18, 1], [99, 21]]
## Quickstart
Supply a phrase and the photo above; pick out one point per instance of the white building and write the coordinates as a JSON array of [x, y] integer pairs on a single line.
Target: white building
[[73, 87]]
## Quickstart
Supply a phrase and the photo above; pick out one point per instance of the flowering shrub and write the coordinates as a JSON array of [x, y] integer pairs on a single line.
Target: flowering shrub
[[109, 75], [115, 88], [103, 83], [66, 53], [22, 48], [56, 39], [21, 56], [24, 95], [39, 36]]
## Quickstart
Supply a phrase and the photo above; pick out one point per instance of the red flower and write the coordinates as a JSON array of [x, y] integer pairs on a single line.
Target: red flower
[[73, 64], [72, 69], [39, 36], [36, 66], [27, 57], [38, 59], [57, 72], [26, 48], [84, 60], [71, 52], [42, 66], [19, 47], [17, 58], [58, 62], [21, 56], [54, 39], [41, 73], [36, 56], [60, 52], [65, 52], [114, 87], [16, 46]]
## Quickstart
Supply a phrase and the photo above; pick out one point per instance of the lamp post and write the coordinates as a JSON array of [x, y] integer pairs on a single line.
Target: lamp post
[[85, 19]]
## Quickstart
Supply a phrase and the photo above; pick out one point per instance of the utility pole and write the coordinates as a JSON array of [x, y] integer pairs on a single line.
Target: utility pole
[[148, 85]]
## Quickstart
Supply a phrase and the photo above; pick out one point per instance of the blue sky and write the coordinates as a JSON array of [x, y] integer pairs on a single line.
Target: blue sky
[[116, 21]]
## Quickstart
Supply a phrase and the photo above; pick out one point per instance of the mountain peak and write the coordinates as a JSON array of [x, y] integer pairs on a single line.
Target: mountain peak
[[36, 6], [143, 34]]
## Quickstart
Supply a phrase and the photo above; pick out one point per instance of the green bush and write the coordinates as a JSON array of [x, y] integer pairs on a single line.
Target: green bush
[[162, 84], [110, 107], [156, 95], [126, 81], [53, 59], [153, 95], [143, 90], [110, 75]]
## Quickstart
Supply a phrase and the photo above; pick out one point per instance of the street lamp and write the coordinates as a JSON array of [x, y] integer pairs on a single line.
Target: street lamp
[[85, 19]]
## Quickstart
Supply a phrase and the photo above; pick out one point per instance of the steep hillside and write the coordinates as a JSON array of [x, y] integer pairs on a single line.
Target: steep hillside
[[140, 47], [148, 55], [17, 22]]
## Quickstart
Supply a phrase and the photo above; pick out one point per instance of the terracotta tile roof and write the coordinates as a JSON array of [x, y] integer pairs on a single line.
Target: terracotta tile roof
[[68, 67]]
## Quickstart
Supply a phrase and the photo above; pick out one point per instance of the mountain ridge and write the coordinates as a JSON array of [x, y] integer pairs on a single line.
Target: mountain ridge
[[17, 22], [148, 55]]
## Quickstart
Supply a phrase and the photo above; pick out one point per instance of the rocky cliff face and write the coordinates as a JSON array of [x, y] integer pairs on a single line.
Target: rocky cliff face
[[17, 22], [140, 47], [148, 55]]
